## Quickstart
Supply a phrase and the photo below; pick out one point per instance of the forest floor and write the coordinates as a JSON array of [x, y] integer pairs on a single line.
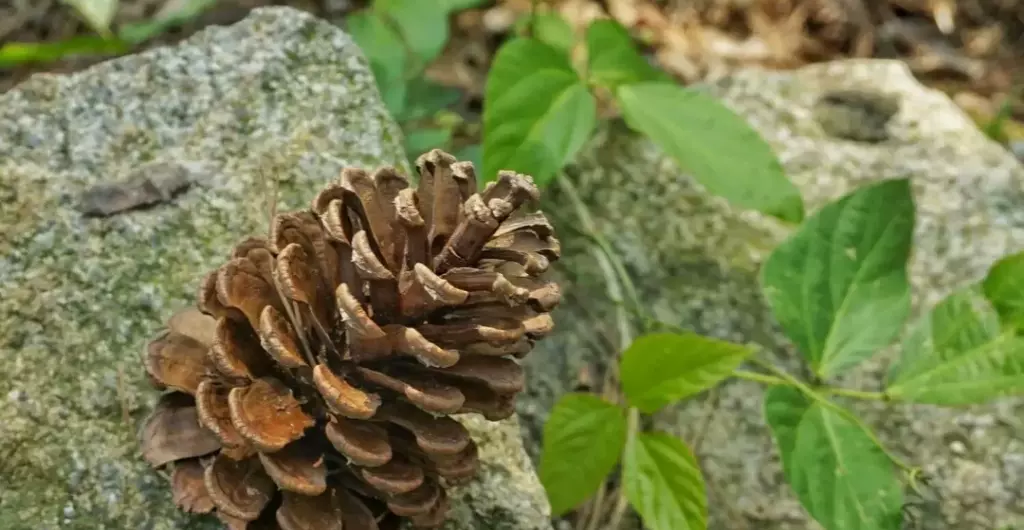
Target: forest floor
[[971, 49]]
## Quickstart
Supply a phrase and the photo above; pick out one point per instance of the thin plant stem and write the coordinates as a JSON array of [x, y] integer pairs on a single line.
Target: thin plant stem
[[531, 25], [591, 518], [616, 281], [830, 390], [856, 394], [710, 404], [619, 286], [769, 380], [607, 390], [621, 502], [759, 378], [583, 514], [633, 419], [825, 402], [589, 230]]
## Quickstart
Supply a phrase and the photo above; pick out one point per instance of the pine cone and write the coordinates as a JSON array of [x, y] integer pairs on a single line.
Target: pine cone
[[313, 385]]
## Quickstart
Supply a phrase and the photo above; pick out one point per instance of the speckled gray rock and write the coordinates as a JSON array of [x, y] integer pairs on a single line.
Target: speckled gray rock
[[278, 96], [695, 260], [506, 494]]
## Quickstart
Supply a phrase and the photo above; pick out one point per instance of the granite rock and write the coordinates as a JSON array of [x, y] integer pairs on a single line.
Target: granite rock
[[694, 260], [186, 143]]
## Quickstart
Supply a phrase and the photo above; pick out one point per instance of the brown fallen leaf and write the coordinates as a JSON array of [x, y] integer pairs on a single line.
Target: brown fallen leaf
[[145, 186]]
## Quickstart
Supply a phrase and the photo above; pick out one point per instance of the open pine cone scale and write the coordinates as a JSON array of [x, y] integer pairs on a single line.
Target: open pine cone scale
[[313, 384]]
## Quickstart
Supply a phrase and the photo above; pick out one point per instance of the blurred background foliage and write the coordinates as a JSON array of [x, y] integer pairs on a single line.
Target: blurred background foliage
[[431, 57]]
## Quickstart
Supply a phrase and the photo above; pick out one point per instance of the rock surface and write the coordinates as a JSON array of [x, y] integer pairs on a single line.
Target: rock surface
[[201, 129], [694, 260]]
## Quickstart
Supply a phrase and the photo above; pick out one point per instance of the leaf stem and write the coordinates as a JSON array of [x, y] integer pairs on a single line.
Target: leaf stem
[[759, 378], [589, 229], [531, 25], [632, 430], [856, 394], [592, 520], [619, 287], [829, 390], [842, 411], [776, 381]]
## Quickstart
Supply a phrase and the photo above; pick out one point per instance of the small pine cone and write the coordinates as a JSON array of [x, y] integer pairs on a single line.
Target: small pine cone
[[313, 386]]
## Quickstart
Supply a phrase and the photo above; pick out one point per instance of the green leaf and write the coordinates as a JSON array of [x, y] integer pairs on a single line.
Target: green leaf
[[421, 24], [1004, 287], [537, 115], [16, 53], [661, 368], [704, 137], [956, 355], [385, 50], [97, 13], [838, 286], [537, 112], [664, 484], [843, 479], [583, 439], [549, 28], [424, 99], [392, 91], [458, 5], [379, 42], [959, 323], [613, 59], [420, 141]]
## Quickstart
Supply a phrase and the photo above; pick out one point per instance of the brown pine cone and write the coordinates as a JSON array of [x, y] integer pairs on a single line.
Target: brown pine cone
[[313, 386]]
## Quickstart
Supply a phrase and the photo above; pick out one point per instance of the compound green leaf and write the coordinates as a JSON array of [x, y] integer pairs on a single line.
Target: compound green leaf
[[664, 484], [537, 112], [838, 286], [613, 59], [1004, 287], [583, 439], [842, 478], [956, 355], [717, 146], [661, 368]]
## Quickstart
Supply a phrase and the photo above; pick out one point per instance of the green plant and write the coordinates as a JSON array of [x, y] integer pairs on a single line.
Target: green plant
[[838, 286], [400, 39], [99, 14], [540, 108]]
